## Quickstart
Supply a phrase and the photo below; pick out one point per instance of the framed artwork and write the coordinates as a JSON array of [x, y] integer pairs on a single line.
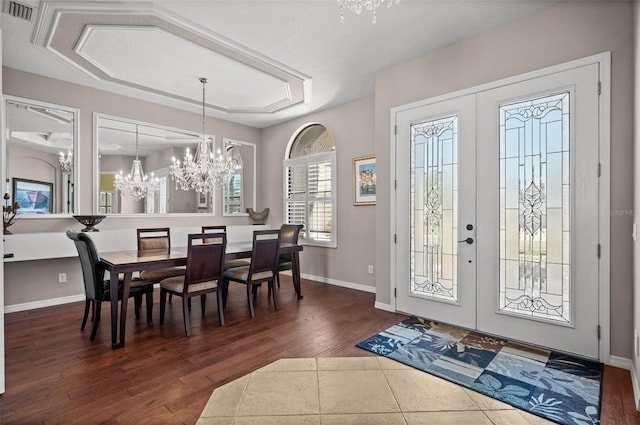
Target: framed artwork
[[364, 180], [202, 199], [34, 197]]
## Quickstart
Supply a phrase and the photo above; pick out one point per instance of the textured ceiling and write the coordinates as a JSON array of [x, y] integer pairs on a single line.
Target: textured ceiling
[[267, 61]]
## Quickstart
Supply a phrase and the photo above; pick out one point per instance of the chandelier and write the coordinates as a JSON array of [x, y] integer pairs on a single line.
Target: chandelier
[[65, 161], [358, 6], [136, 184], [201, 171]]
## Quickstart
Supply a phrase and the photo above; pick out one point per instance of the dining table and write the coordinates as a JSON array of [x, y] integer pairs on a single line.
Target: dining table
[[127, 262]]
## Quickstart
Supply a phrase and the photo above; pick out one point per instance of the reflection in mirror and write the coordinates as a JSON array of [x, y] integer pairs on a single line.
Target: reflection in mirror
[[40, 150], [116, 147], [239, 194], [117, 150]]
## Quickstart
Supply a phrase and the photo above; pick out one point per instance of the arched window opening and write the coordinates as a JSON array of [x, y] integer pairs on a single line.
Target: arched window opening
[[310, 185], [234, 200]]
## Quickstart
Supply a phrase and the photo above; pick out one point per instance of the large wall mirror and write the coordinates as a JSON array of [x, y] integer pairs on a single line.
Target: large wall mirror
[[239, 193], [40, 151], [119, 141]]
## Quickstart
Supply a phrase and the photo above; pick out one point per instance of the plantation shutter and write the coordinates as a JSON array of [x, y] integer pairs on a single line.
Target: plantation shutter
[[310, 197]]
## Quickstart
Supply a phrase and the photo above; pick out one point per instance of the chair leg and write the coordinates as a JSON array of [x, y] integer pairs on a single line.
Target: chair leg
[[274, 288], [137, 303], [150, 309], [163, 304], [225, 292], [185, 312], [86, 313], [96, 320], [278, 278], [220, 307], [203, 302], [250, 299]]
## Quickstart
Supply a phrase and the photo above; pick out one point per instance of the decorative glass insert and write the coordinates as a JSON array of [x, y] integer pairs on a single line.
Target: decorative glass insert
[[535, 262], [434, 199]]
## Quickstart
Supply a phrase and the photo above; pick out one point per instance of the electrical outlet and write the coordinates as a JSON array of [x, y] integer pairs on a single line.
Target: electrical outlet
[[370, 269], [62, 278]]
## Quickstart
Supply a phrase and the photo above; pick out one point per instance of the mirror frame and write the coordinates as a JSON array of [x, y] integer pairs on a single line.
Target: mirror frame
[[225, 142], [76, 151], [96, 169]]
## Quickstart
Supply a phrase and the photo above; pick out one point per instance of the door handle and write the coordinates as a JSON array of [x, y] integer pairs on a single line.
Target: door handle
[[468, 241]]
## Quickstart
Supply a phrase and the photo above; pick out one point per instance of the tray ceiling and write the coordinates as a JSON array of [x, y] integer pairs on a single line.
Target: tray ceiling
[[266, 61]]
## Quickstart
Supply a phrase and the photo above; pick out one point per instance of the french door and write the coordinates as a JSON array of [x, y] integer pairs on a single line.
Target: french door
[[497, 210]]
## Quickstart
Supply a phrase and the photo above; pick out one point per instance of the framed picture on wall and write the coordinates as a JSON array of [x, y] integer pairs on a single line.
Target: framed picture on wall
[[34, 197], [364, 180]]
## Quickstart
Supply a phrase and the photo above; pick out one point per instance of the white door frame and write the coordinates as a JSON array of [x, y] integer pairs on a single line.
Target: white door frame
[[604, 62]]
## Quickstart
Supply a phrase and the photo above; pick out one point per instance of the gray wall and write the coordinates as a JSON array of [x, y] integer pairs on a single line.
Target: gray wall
[[569, 30], [35, 281], [88, 101], [351, 126]]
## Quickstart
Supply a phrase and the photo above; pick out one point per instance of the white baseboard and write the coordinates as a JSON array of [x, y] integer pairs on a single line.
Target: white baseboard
[[621, 362], [80, 297], [351, 285], [384, 306], [624, 363], [43, 303], [342, 283]]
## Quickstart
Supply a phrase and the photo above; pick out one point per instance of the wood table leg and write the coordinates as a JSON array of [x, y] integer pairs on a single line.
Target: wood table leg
[[126, 285], [113, 292], [296, 275]]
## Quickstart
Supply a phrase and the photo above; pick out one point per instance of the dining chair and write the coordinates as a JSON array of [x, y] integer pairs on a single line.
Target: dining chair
[[237, 262], [263, 268], [289, 233], [96, 288], [203, 274], [153, 239]]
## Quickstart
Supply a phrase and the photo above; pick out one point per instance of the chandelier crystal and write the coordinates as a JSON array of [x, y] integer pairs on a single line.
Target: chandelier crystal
[[65, 161], [358, 6], [136, 184], [202, 171]]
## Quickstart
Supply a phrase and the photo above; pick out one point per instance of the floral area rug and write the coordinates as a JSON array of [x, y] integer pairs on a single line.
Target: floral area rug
[[556, 386]]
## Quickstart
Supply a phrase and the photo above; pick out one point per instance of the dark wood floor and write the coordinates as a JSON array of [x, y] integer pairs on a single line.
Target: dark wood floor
[[55, 375]]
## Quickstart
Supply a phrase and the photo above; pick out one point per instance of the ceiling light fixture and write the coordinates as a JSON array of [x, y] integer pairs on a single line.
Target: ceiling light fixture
[[358, 6], [65, 161], [201, 171], [136, 184]]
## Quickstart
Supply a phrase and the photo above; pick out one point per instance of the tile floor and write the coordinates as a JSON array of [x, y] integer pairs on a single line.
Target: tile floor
[[352, 391]]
